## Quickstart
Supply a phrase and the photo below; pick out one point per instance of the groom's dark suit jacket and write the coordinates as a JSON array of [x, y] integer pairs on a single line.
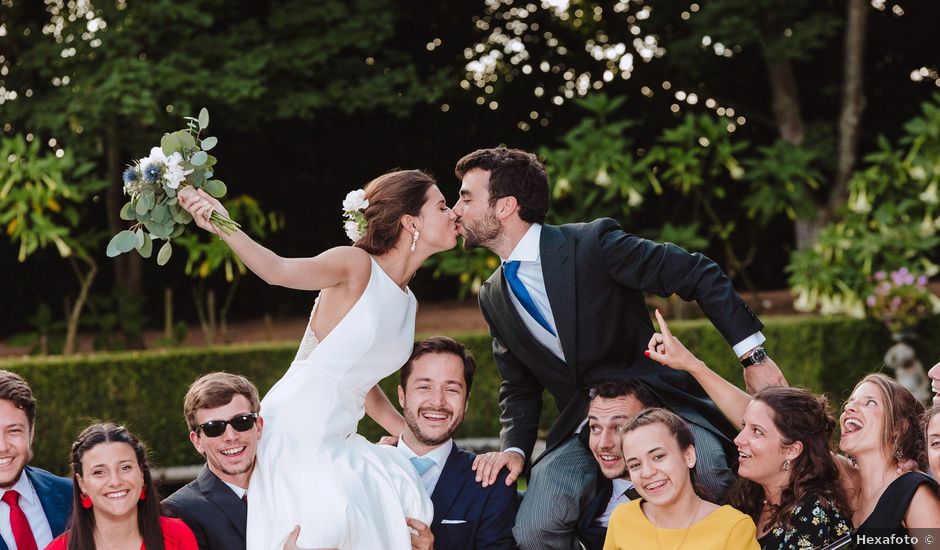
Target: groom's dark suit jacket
[[468, 516], [595, 276], [212, 510]]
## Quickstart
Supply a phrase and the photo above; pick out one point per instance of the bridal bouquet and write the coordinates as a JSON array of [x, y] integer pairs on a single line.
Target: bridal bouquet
[[153, 184]]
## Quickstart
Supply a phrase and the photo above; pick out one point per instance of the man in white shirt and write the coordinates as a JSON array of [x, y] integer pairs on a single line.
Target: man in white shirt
[[433, 392], [34, 504], [566, 311]]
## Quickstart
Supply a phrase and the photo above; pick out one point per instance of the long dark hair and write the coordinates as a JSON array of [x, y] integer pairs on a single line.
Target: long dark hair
[[798, 415], [900, 435], [82, 522]]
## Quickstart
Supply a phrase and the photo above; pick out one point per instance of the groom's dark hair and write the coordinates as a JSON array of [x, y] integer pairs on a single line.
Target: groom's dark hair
[[440, 344], [513, 173]]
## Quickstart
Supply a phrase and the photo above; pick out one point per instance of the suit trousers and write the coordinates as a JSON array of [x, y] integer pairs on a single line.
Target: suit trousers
[[562, 483]]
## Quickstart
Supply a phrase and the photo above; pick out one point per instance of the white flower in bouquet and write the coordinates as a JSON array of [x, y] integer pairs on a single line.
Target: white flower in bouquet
[[352, 230], [153, 182]]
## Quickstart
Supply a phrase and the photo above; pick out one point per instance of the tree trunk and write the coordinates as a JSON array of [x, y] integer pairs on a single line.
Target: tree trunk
[[785, 101], [853, 101], [85, 280], [127, 267]]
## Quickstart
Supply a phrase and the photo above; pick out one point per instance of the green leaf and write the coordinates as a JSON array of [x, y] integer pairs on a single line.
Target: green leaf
[[203, 118], [186, 139], [180, 215], [159, 213], [147, 248], [140, 238], [199, 158], [121, 243], [127, 212], [208, 143], [177, 231], [158, 230], [215, 188], [170, 144], [165, 252]]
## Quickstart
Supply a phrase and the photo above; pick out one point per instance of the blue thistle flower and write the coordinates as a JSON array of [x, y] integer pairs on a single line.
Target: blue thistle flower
[[130, 175], [152, 172]]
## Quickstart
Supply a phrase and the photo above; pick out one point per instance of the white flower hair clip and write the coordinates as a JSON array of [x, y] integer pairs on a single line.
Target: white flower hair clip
[[354, 206]]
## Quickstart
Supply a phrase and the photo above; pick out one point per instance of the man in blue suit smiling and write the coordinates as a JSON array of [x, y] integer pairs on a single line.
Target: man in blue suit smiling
[[435, 385], [34, 504]]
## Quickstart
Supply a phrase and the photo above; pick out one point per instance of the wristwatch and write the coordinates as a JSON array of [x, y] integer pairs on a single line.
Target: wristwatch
[[757, 357]]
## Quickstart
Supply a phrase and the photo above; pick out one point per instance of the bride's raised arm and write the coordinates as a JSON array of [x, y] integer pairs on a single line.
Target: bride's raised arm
[[327, 269]]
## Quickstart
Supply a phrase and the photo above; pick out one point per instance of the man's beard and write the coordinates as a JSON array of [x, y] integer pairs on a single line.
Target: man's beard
[[484, 233], [426, 439]]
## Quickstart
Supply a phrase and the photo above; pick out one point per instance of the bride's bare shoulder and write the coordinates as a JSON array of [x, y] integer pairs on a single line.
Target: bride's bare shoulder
[[357, 262]]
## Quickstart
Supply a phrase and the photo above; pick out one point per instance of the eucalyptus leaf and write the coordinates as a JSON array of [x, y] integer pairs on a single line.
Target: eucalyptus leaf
[[177, 231], [211, 160], [158, 230], [147, 249], [141, 208], [170, 192], [181, 216], [163, 256], [140, 238], [127, 212], [203, 118], [170, 144], [148, 199], [208, 143], [215, 188], [186, 139], [121, 243], [197, 178], [199, 158], [159, 213]]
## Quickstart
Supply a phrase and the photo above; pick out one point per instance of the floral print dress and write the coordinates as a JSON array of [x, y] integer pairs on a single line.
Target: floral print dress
[[813, 524]]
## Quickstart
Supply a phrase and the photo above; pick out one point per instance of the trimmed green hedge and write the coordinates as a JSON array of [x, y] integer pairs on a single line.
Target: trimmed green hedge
[[145, 390]]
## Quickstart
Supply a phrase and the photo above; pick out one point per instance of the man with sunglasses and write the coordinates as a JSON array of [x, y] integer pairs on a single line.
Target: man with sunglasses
[[221, 410]]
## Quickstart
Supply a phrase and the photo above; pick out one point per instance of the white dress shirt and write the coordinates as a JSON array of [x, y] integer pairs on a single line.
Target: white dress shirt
[[530, 273], [32, 508], [439, 456], [617, 497], [239, 491]]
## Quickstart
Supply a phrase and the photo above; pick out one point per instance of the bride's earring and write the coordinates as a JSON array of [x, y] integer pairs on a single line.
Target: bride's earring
[[414, 241]]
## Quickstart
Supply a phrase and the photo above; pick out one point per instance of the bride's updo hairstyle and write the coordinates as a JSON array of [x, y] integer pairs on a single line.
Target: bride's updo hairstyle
[[390, 197]]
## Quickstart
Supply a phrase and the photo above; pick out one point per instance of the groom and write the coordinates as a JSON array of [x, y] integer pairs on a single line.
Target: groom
[[566, 311]]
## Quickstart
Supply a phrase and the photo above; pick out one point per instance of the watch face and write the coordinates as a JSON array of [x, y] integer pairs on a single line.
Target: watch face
[[759, 356]]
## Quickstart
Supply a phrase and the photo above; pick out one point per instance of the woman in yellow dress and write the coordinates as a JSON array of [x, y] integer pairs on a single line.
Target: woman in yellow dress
[[659, 453]]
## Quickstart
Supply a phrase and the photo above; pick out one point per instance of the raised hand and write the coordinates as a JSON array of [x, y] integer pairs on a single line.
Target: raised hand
[[200, 206], [666, 349], [488, 465]]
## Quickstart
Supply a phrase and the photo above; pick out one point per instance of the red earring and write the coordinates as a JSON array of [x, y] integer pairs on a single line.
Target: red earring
[[143, 493], [86, 501]]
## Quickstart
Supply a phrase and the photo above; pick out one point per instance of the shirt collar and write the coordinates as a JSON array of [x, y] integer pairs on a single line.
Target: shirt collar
[[621, 486], [239, 491], [527, 249], [23, 487], [438, 455]]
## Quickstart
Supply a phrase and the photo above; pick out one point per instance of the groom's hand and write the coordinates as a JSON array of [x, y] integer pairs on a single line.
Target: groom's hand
[[488, 465], [758, 377]]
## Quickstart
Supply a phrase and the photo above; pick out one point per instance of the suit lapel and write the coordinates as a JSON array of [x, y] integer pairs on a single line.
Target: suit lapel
[[505, 315], [556, 253], [453, 477], [220, 494], [50, 500]]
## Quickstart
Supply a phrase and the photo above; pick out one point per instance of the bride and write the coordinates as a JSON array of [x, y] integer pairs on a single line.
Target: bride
[[313, 469]]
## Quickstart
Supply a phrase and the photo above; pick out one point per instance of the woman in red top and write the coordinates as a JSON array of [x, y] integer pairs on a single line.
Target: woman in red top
[[115, 504]]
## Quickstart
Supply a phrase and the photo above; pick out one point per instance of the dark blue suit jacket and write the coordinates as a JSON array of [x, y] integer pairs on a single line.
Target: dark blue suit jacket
[[487, 513], [212, 510], [55, 496]]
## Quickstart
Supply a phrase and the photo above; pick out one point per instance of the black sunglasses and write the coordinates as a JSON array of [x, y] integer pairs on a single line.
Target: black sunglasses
[[241, 423]]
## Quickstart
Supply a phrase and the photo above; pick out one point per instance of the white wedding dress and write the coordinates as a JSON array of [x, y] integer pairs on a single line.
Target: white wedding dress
[[313, 469]]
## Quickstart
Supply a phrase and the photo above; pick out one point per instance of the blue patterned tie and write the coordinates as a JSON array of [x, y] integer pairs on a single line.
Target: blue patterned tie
[[422, 464], [510, 270]]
